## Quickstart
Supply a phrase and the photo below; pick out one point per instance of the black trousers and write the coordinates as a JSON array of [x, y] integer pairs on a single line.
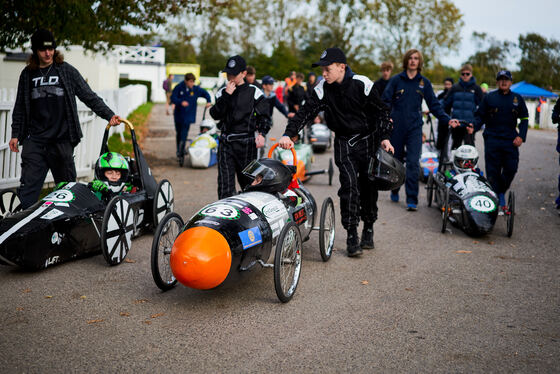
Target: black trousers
[[233, 157], [36, 160], [358, 196]]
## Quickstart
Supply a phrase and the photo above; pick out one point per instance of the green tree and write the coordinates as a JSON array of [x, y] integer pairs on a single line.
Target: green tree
[[91, 23], [491, 56], [540, 60]]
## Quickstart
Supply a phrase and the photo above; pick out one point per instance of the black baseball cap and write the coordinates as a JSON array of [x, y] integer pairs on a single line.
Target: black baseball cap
[[329, 56], [42, 39], [235, 65], [267, 79], [504, 73]]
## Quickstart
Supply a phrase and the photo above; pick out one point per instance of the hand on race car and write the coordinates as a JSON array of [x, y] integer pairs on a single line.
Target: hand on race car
[[285, 142], [259, 141], [115, 120], [387, 146], [98, 186], [454, 123]]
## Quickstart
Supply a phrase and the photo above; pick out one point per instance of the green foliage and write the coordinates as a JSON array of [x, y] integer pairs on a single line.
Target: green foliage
[[491, 56], [126, 82], [93, 24], [540, 60]]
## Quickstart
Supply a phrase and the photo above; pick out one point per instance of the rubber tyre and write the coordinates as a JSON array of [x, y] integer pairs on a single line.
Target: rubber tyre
[[9, 203], [445, 211], [166, 232], [117, 230], [327, 229], [163, 201], [511, 216], [330, 171], [287, 262]]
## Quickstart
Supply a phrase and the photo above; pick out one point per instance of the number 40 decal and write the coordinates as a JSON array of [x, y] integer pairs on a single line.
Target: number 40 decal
[[482, 204]]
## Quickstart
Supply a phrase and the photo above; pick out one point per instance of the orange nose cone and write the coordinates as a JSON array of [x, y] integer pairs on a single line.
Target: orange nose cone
[[200, 258]]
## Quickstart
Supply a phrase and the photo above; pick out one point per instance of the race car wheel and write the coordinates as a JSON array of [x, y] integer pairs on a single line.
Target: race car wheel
[[117, 229], [330, 171], [510, 214], [163, 201], [445, 210], [326, 229], [287, 262], [9, 203], [430, 188], [166, 233]]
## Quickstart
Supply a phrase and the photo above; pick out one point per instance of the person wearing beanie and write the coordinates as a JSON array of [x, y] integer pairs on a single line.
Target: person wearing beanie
[[244, 121], [45, 117]]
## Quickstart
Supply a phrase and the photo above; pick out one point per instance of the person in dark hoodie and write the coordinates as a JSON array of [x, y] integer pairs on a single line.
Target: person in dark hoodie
[[45, 117], [381, 83], [360, 122], [463, 100], [404, 94]]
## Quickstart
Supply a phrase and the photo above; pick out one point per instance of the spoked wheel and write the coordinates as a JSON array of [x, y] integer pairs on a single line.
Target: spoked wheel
[[510, 214], [117, 229], [430, 188], [330, 171], [326, 229], [163, 201], [9, 203], [166, 233], [287, 262], [445, 210]]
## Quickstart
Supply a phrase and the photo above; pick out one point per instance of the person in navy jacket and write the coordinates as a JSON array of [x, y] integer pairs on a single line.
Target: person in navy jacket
[[185, 96], [463, 100], [403, 95], [499, 111]]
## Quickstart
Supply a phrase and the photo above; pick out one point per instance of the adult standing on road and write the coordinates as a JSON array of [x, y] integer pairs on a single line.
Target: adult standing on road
[[463, 100], [499, 111], [443, 128], [185, 96], [356, 114], [167, 87], [296, 94], [45, 117], [244, 123], [403, 95], [381, 83]]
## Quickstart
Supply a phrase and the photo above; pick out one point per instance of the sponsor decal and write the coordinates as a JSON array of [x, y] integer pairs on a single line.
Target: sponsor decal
[[247, 210], [482, 204], [52, 214], [300, 216], [208, 222], [221, 211], [56, 238], [274, 209], [253, 216], [60, 196], [250, 237], [52, 260], [62, 204]]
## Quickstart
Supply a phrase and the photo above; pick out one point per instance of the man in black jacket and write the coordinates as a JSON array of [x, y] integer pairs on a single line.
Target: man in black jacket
[[45, 117], [296, 94], [356, 114], [244, 122]]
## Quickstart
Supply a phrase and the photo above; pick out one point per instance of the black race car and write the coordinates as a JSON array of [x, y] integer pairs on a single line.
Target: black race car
[[72, 222]]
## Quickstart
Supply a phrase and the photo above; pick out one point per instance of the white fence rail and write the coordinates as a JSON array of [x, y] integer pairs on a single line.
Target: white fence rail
[[123, 101]]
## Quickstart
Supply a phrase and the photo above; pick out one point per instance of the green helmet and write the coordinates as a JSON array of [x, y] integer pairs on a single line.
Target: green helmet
[[112, 161]]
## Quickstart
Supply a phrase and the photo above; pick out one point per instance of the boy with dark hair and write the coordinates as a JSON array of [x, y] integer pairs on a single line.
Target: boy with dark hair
[[251, 77], [244, 122], [381, 83], [185, 96]]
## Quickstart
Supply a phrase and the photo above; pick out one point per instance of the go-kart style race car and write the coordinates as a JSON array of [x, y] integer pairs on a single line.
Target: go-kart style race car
[[264, 225], [203, 151], [319, 136], [429, 158], [72, 222], [467, 201], [305, 158]]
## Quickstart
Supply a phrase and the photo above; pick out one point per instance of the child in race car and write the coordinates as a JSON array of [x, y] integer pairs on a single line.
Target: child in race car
[[465, 158], [272, 176], [111, 175]]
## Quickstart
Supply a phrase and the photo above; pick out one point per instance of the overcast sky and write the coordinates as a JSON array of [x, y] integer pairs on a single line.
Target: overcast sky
[[504, 20]]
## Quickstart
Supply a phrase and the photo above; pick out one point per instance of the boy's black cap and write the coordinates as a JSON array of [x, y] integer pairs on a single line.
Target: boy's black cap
[[504, 73], [42, 39], [235, 65], [329, 56]]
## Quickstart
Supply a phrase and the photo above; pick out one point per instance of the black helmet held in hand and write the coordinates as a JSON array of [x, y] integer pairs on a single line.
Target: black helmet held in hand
[[386, 171], [268, 175]]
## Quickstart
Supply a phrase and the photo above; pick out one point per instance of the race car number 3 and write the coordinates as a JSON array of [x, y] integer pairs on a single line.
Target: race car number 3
[[60, 196], [221, 211], [482, 204]]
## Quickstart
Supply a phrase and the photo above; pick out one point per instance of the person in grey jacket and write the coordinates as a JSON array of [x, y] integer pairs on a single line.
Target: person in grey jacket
[[45, 117]]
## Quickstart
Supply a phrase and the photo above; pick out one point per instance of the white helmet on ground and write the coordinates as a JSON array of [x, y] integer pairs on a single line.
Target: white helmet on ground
[[465, 158]]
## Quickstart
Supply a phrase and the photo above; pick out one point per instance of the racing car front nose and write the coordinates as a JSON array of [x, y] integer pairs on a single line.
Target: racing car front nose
[[200, 258]]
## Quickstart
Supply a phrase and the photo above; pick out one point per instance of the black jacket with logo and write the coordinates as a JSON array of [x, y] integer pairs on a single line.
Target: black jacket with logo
[[352, 107], [243, 112]]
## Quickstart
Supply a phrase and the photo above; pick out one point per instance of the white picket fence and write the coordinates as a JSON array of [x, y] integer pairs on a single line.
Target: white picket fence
[[122, 101]]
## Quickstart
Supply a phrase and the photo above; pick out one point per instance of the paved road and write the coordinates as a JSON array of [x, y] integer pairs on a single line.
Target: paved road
[[426, 306]]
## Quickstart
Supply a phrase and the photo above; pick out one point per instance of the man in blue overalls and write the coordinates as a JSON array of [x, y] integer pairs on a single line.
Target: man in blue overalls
[[404, 94], [499, 111], [185, 96]]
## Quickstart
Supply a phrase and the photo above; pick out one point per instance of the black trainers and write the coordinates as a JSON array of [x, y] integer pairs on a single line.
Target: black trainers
[[367, 238], [352, 245]]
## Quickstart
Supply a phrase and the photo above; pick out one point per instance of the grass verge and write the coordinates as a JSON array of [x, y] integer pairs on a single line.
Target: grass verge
[[139, 118]]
